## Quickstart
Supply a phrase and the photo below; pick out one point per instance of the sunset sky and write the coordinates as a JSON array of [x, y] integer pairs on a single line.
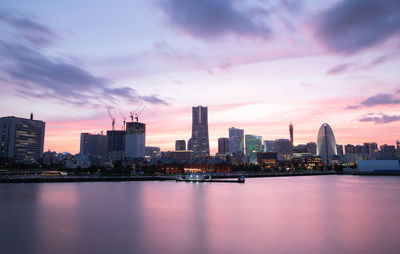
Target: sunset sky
[[257, 65]]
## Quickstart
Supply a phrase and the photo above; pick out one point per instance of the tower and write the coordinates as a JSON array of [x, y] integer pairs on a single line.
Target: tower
[[200, 143], [291, 133]]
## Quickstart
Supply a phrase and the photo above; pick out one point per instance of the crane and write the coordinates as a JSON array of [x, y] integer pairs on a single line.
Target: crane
[[139, 112], [112, 119], [136, 113], [124, 119]]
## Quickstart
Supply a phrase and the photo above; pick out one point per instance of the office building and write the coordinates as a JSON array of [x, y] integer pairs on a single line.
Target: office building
[[269, 146], [200, 143], [326, 143], [116, 145], [21, 139], [93, 145], [180, 145], [283, 146], [236, 141], [388, 152], [223, 145], [189, 144], [135, 140], [254, 145], [339, 149]]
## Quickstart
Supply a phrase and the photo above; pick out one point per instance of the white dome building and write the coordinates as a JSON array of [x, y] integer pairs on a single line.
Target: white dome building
[[326, 143]]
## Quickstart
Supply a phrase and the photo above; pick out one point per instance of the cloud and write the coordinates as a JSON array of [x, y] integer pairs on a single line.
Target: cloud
[[36, 75], [379, 119], [339, 69], [353, 25], [379, 99], [34, 32], [208, 19]]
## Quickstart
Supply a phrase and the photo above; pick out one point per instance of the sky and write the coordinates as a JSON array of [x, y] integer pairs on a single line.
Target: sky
[[257, 65]]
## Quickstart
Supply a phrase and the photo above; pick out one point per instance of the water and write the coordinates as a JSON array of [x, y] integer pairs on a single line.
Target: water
[[310, 214]]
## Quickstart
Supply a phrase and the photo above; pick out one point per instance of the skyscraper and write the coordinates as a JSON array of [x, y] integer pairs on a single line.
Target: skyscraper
[[180, 145], [253, 146], [21, 139], [93, 145], [116, 145], [200, 143], [291, 133], [326, 143], [236, 141], [223, 145], [135, 140]]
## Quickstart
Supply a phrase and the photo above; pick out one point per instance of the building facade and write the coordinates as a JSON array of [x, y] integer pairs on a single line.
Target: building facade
[[200, 142], [116, 145], [236, 141], [93, 145], [326, 143], [21, 139], [254, 145], [223, 145], [180, 145], [135, 140]]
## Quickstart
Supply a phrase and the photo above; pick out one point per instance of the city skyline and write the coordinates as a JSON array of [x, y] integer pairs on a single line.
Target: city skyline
[[264, 66]]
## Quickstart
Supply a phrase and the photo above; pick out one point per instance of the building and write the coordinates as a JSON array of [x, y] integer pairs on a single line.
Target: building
[[180, 145], [223, 145], [50, 158], [236, 141], [200, 143], [388, 152], [116, 145], [379, 167], [291, 133], [339, 149], [349, 149], [254, 145], [178, 155], [135, 140], [326, 143], [269, 146], [283, 146], [189, 144], [93, 145], [267, 159], [21, 139], [152, 152]]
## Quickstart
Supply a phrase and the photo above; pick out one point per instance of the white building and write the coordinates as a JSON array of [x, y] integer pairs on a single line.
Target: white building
[[135, 140]]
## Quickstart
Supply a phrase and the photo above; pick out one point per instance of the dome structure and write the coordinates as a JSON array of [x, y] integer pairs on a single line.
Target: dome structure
[[326, 143]]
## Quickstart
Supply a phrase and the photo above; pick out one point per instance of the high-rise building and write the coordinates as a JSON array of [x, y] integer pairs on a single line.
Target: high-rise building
[[223, 145], [311, 148], [236, 141], [180, 145], [189, 146], [116, 145], [283, 146], [269, 146], [21, 139], [349, 149], [371, 149], [200, 142], [388, 152], [326, 143], [339, 149], [135, 140], [93, 145], [291, 133], [254, 144]]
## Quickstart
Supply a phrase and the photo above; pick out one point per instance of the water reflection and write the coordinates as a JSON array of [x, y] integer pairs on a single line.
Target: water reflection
[[321, 214]]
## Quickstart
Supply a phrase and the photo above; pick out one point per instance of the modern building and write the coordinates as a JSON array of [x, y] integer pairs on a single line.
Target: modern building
[[291, 133], [387, 152], [312, 148], [267, 159], [189, 144], [236, 141], [339, 149], [200, 142], [326, 143], [379, 167], [178, 155], [180, 145], [21, 139], [283, 146], [223, 145], [269, 146], [135, 140], [349, 149], [93, 145], [152, 152], [116, 145], [254, 145]]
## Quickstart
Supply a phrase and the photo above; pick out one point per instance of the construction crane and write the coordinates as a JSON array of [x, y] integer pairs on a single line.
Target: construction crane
[[136, 113], [112, 119], [124, 119], [139, 112]]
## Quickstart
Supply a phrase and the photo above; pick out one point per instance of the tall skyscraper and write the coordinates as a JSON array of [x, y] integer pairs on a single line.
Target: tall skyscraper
[[180, 145], [326, 143], [223, 145], [200, 142], [93, 145], [291, 133], [236, 141], [21, 139], [253, 146], [135, 140]]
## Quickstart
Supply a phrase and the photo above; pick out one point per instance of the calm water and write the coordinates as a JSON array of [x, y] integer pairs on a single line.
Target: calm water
[[313, 214]]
